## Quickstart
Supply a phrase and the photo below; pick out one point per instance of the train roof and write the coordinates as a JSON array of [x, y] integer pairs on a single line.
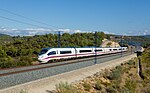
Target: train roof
[[46, 48], [78, 47]]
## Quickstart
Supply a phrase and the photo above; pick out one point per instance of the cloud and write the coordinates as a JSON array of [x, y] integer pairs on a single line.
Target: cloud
[[146, 32], [107, 32], [77, 31], [40, 31]]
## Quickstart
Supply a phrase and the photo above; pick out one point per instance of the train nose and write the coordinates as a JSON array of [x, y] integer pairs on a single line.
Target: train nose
[[39, 59]]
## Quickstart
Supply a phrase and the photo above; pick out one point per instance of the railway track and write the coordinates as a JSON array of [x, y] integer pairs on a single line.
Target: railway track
[[9, 71], [17, 76]]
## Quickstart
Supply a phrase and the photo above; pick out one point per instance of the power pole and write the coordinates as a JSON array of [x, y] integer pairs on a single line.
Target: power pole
[[131, 45], [58, 39], [115, 42], [121, 45], [95, 61]]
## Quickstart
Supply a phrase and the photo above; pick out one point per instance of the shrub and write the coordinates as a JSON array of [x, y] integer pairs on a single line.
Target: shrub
[[119, 68], [130, 85], [65, 88], [110, 90], [23, 63], [8, 62], [131, 62], [114, 75], [98, 85], [87, 87], [23, 91], [26, 58]]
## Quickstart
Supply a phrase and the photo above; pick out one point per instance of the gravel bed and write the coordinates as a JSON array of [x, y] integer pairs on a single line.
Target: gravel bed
[[15, 79], [2, 71]]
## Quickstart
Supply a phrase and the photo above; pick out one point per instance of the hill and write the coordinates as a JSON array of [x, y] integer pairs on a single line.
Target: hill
[[143, 41], [5, 39], [148, 36], [109, 43], [23, 50], [3, 34]]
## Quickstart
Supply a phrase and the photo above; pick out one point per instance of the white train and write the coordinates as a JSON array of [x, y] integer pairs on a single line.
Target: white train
[[48, 54]]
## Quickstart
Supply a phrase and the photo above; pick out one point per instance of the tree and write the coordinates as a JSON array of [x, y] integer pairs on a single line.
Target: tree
[[2, 52]]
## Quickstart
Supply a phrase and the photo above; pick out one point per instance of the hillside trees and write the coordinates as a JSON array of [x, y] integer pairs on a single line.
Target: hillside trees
[[22, 50], [2, 52]]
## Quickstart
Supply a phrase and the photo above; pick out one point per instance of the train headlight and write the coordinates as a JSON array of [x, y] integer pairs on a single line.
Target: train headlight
[[41, 56]]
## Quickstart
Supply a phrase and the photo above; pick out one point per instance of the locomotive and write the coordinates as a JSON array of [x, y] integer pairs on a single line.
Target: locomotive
[[48, 54]]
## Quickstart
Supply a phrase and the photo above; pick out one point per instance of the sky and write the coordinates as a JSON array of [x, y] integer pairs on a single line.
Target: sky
[[125, 17]]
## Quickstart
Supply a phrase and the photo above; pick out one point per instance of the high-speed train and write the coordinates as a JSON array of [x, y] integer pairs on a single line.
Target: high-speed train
[[48, 54]]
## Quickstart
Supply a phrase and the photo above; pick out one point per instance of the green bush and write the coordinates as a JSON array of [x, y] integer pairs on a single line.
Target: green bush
[[23, 63], [8, 62], [87, 87], [110, 90], [26, 58], [65, 88], [23, 91], [114, 75], [131, 62], [98, 85], [130, 85]]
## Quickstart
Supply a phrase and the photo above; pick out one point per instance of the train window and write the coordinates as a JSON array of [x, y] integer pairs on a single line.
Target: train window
[[65, 52], [43, 51], [110, 49], [114, 49], [123, 49], [119, 48], [98, 50], [81, 51], [51, 53]]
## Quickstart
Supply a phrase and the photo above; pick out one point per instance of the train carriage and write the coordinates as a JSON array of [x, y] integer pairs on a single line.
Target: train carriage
[[48, 54]]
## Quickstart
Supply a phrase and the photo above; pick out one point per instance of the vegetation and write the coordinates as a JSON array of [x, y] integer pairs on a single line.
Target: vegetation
[[121, 79], [22, 51], [145, 65], [23, 91], [98, 85], [66, 88], [138, 40], [87, 87], [143, 41]]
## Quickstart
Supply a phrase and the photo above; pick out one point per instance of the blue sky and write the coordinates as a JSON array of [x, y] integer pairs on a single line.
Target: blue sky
[[111, 16]]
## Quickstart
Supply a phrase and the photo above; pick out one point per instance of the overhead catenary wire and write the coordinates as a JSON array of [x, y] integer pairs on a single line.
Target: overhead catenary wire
[[30, 19], [33, 20], [19, 15], [18, 21]]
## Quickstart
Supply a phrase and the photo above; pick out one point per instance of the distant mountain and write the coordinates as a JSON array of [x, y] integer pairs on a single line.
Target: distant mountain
[[1, 34], [4, 35], [148, 36]]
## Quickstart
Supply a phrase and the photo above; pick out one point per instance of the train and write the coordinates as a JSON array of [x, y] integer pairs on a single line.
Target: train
[[48, 54]]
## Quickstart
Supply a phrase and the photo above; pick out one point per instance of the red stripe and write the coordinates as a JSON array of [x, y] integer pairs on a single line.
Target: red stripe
[[79, 54], [72, 55]]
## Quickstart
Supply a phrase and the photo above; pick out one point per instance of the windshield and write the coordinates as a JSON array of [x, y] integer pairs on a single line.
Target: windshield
[[43, 51]]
